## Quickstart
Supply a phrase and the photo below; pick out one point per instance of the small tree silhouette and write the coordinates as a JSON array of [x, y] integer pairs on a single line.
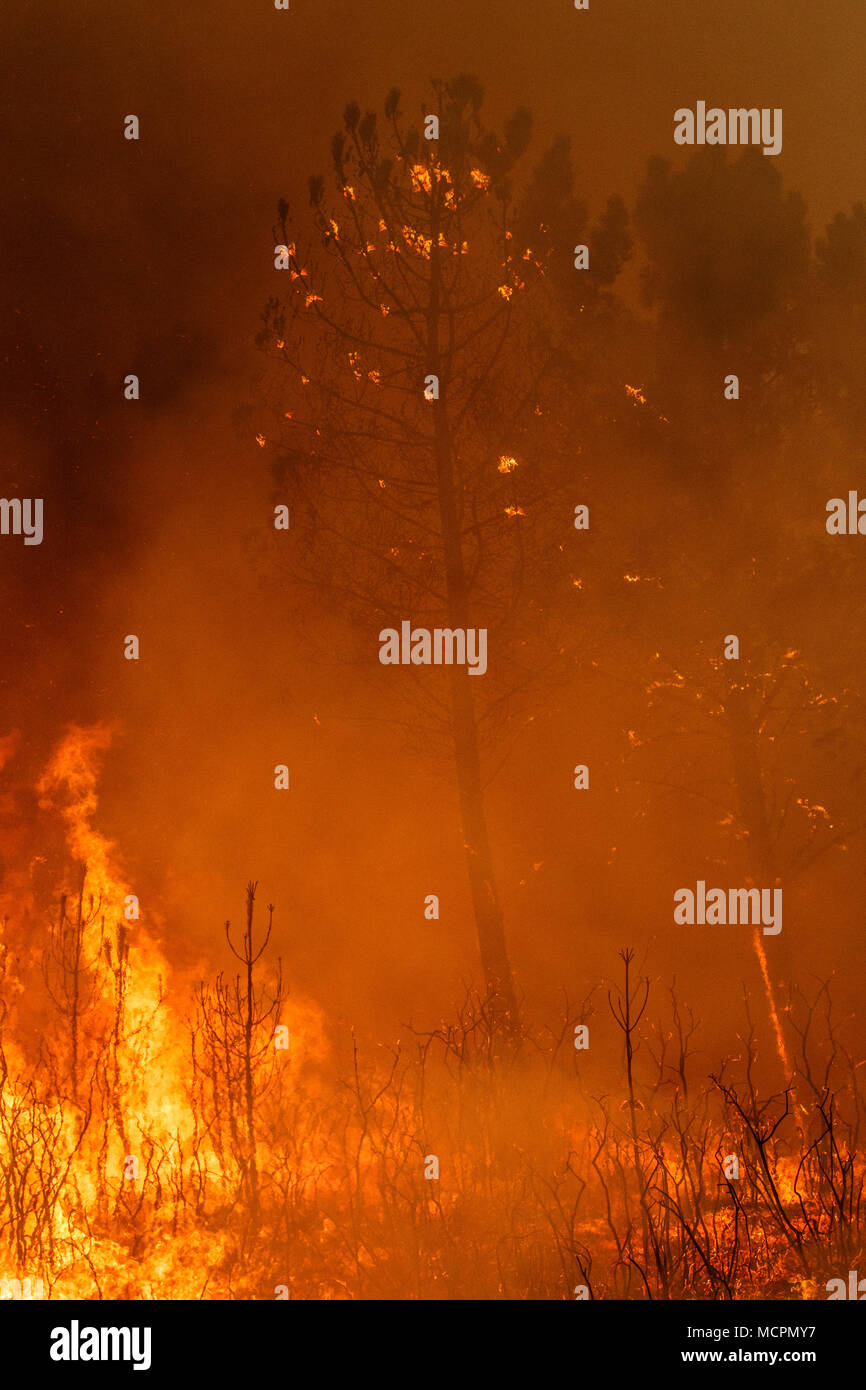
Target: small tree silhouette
[[232, 1049], [628, 1013], [70, 969]]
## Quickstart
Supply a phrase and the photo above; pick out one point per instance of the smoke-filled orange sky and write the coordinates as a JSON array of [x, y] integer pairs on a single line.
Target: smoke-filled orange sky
[[156, 257]]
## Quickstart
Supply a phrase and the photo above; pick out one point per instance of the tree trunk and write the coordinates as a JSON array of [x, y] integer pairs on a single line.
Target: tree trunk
[[485, 899], [776, 964]]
